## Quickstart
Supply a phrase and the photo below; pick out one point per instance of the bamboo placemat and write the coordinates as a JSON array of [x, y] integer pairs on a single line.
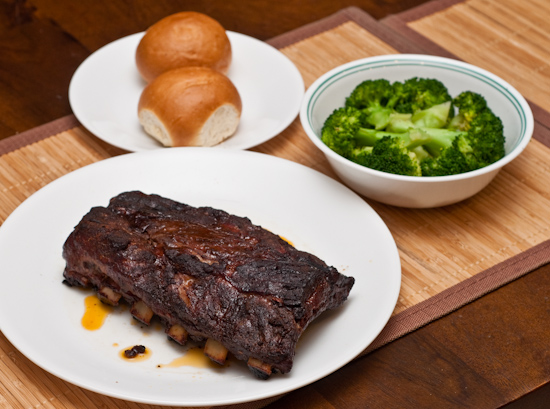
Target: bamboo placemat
[[449, 255], [510, 38]]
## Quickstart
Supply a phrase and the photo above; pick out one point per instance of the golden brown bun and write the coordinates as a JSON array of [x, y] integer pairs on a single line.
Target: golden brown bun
[[192, 106], [181, 40]]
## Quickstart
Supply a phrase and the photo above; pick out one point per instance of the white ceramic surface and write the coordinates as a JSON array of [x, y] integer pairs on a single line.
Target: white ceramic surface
[[41, 316], [105, 90], [330, 90]]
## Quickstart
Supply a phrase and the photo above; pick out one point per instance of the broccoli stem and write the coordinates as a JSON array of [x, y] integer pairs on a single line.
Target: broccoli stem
[[433, 140], [367, 137], [411, 139], [379, 118], [433, 117], [399, 122], [420, 153], [438, 139]]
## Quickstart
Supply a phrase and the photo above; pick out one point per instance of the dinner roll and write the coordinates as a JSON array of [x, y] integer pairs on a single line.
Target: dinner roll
[[181, 40], [192, 106]]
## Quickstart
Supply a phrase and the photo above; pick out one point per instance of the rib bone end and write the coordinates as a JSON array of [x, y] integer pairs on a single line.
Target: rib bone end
[[142, 312], [215, 351], [109, 296], [260, 369], [177, 333]]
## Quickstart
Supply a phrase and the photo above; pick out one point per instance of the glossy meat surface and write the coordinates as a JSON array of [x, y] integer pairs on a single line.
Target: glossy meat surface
[[217, 275]]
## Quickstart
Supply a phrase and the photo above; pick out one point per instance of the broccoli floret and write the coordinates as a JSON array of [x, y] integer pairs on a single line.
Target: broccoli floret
[[344, 130], [439, 139], [341, 128], [376, 98], [469, 105], [485, 132], [451, 161], [436, 116], [427, 140], [385, 151], [421, 93], [379, 99], [480, 143], [429, 123], [390, 154]]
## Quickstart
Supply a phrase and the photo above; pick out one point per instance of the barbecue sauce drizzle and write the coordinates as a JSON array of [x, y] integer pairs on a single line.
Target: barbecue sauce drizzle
[[95, 313]]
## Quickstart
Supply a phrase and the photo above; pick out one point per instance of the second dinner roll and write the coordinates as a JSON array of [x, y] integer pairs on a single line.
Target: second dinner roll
[[183, 39], [192, 106]]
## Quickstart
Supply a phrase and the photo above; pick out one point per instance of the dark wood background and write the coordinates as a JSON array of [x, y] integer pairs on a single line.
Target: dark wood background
[[42, 42], [473, 358]]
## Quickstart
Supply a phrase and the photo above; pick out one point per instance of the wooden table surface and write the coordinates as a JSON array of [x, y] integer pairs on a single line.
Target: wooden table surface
[[492, 353]]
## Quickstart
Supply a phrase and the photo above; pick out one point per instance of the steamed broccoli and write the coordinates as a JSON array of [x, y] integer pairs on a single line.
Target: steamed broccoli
[[341, 129], [390, 154], [480, 143], [422, 93], [410, 128], [376, 98], [379, 99]]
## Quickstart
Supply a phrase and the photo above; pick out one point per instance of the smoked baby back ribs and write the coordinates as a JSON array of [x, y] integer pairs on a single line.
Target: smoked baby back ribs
[[209, 276]]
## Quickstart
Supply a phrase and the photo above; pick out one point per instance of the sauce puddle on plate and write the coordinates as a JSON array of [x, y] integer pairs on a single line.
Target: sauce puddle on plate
[[195, 358], [95, 313], [94, 316]]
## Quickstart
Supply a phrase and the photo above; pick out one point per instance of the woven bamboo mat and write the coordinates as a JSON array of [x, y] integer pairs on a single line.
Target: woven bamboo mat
[[510, 38], [449, 255]]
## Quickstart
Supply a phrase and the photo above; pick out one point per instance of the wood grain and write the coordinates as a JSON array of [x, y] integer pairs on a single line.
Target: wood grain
[[24, 171], [42, 42], [479, 236], [488, 354], [506, 37], [471, 365], [438, 247]]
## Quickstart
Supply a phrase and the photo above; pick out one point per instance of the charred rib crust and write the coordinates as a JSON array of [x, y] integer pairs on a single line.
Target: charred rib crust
[[217, 275]]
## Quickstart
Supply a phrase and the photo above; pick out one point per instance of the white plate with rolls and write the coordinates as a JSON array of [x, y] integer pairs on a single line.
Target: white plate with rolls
[[105, 90]]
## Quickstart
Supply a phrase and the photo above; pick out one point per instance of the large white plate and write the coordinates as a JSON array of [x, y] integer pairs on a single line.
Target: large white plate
[[41, 316], [105, 90]]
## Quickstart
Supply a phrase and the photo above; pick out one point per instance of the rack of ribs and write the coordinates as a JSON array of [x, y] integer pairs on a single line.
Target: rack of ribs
[[208, 276]]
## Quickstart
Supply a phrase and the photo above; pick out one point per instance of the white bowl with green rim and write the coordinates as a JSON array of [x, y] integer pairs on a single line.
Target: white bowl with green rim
[[330, 91]]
